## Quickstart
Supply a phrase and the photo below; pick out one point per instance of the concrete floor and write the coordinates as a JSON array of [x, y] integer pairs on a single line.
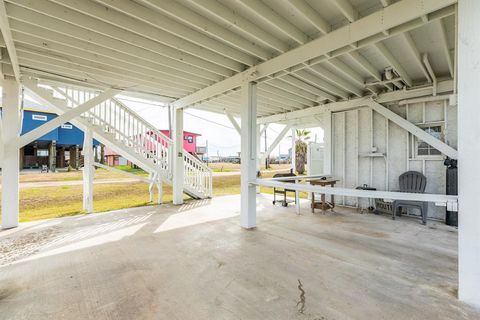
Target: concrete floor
[[195, 262]]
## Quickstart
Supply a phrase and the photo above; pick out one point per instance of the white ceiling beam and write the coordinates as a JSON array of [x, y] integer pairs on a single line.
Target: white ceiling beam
[[143, 29], [236, 21], [92, 60], [431, 73], [284, 93], [33, 42], [82, 20], [202, 24], [413, 129], [308, 87], [325, 85], [393, 62], [346, 9], [394, 96], [418, 57], [36, 24], [385, 3], [364, 31], [266, 101], [367, 66], [53, 79], [263, 103], [96, 69], [93, 76], [311, 15], [279, 83], [8, 39], [168, 24], [274, 19], [446, 50], [347, 71], [338, 81]]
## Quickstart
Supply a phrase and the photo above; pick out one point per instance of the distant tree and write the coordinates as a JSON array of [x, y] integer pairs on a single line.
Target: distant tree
[[303, 136]]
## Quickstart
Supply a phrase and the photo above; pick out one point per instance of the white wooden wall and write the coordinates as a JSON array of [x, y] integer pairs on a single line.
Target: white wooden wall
[[361, 136]]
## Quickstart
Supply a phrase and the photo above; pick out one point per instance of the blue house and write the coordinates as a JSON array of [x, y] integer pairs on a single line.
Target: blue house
[[59, 148]]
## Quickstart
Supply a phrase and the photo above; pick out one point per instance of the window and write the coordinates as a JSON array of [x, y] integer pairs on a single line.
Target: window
[[188, 138], [28, 151], [39, 117], [42, 153], [423, 148], [67, 126]]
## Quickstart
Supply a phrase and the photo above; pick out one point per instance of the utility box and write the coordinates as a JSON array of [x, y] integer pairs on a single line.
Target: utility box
[[315, 159]]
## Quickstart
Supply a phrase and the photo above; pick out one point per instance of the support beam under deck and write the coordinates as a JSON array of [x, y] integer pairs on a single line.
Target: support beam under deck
[[178, 166], [88, 171], [469, 151], [248, 210], [11, 118]]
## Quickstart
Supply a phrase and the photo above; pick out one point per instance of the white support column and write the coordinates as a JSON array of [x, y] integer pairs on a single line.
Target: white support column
[[11, 116], [178, 168], [294, 158], [160, 190], [248, 209], [151, 185], [468, 152], [88, 171], [327, 142], [257, 153]]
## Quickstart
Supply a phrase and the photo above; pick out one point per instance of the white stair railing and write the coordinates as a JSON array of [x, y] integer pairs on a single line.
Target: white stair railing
[[197, 175], [125, 126]]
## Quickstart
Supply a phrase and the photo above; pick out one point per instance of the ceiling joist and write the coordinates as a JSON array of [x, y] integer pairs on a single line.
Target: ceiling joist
[[397, 17]]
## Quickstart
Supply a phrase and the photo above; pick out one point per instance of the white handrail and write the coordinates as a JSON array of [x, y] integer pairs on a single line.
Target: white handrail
[[115, 118]]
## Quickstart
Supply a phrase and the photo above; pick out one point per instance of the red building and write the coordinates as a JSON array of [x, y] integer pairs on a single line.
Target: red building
[[189, 144]]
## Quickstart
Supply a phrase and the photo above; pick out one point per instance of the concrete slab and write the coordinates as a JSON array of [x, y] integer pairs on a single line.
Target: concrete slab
[[195, 262]]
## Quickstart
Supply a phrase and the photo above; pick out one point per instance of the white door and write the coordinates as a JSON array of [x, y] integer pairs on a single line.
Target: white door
[[315, 159]]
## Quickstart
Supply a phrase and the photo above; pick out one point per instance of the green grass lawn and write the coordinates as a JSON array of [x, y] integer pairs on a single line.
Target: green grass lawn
[[51, 202], [76, 175]]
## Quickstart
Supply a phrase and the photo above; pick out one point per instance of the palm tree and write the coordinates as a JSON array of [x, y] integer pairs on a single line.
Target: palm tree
[[301, 149]]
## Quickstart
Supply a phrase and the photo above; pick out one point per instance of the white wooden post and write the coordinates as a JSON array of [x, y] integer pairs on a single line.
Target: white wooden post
[[11, 117], [160, 190], [293, 157], [88, 170], [327, 142], [248, 210], [468, 151], [178, 167], [257, 153], [152, 177]]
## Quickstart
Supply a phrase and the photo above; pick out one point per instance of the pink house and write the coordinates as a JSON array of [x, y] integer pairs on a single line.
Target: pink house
[[189, 140], [189, 144]]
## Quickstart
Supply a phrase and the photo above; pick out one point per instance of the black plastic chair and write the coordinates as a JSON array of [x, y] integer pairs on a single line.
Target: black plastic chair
[[412, 182]]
